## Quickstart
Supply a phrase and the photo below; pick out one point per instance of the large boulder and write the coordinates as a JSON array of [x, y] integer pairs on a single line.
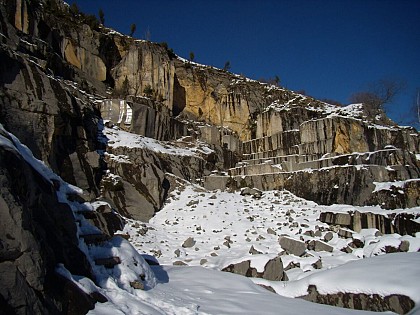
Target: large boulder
[[292, 246]]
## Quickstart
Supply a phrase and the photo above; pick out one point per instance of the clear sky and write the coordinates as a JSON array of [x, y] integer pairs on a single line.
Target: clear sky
[[329, 48]]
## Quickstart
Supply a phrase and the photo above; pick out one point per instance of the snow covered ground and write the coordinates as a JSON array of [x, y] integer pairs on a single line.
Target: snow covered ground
[[221, 228], [197, 290], [226, 225]]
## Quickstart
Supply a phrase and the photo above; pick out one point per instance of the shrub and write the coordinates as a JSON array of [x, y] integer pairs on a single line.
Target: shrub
[[148, 91]]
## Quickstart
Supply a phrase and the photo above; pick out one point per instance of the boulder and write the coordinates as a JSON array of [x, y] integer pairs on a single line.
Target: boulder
[[292, 246], [273, 270], [189, 242], [321, 246], [247, 191], [328, 236]]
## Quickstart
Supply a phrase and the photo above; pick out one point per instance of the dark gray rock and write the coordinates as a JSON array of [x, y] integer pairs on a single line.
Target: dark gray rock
[[345, 233], [401, 223], [37, 232], [271, 231], [253, 251], [404, 246]]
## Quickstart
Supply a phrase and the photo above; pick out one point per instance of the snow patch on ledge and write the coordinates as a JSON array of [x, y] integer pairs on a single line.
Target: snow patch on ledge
[[379, 186]]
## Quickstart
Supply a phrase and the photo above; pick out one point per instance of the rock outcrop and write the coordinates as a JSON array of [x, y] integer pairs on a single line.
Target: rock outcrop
[[387, 223], [397, 303], [325, 154], [47, 113], [37, 233]]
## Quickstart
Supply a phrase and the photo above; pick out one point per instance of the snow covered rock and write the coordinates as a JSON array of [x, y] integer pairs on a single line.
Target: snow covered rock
[[37, 231], [382, 283], [256, 193], [397, 303]]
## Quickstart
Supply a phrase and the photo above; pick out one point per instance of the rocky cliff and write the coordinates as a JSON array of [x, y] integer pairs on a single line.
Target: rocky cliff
[[37, 233], [122, 118]]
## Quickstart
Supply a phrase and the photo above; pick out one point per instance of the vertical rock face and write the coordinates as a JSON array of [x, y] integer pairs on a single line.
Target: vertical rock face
[[144, 117], [141, 186], [80, 57], [42, 110], [146, 65], [343, 135], [48, 119]]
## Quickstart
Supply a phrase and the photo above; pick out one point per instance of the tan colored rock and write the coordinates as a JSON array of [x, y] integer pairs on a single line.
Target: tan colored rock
[[146, 64], [70, 54], [21, 16]]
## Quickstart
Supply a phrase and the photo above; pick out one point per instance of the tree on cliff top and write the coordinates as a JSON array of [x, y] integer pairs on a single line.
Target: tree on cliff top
[[102, 16], [133, 28], [378, 95]]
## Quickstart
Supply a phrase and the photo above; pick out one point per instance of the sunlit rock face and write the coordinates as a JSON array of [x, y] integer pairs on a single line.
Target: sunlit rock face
[[146, 65]]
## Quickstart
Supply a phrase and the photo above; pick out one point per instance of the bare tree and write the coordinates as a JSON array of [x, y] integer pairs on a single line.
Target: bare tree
[[132, 29], [378, 95], [418, 108], [413, 116], [226, 66], [147, 34], [102, 16]]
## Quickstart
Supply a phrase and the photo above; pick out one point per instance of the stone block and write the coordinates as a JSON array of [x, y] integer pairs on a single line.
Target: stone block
[[292, 246]]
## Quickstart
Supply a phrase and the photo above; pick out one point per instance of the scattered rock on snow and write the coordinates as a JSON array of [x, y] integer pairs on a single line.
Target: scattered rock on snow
[[271, 231], [321, 246], [345, 233], [404, 246], [189, 242], [254, 192], [318, 233], [137, 285], [328, 236], [397, 303], [317, 264], [292, 246], [253, 251]]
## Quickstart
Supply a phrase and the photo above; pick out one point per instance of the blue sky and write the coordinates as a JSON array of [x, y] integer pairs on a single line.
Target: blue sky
[[329, 48]]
